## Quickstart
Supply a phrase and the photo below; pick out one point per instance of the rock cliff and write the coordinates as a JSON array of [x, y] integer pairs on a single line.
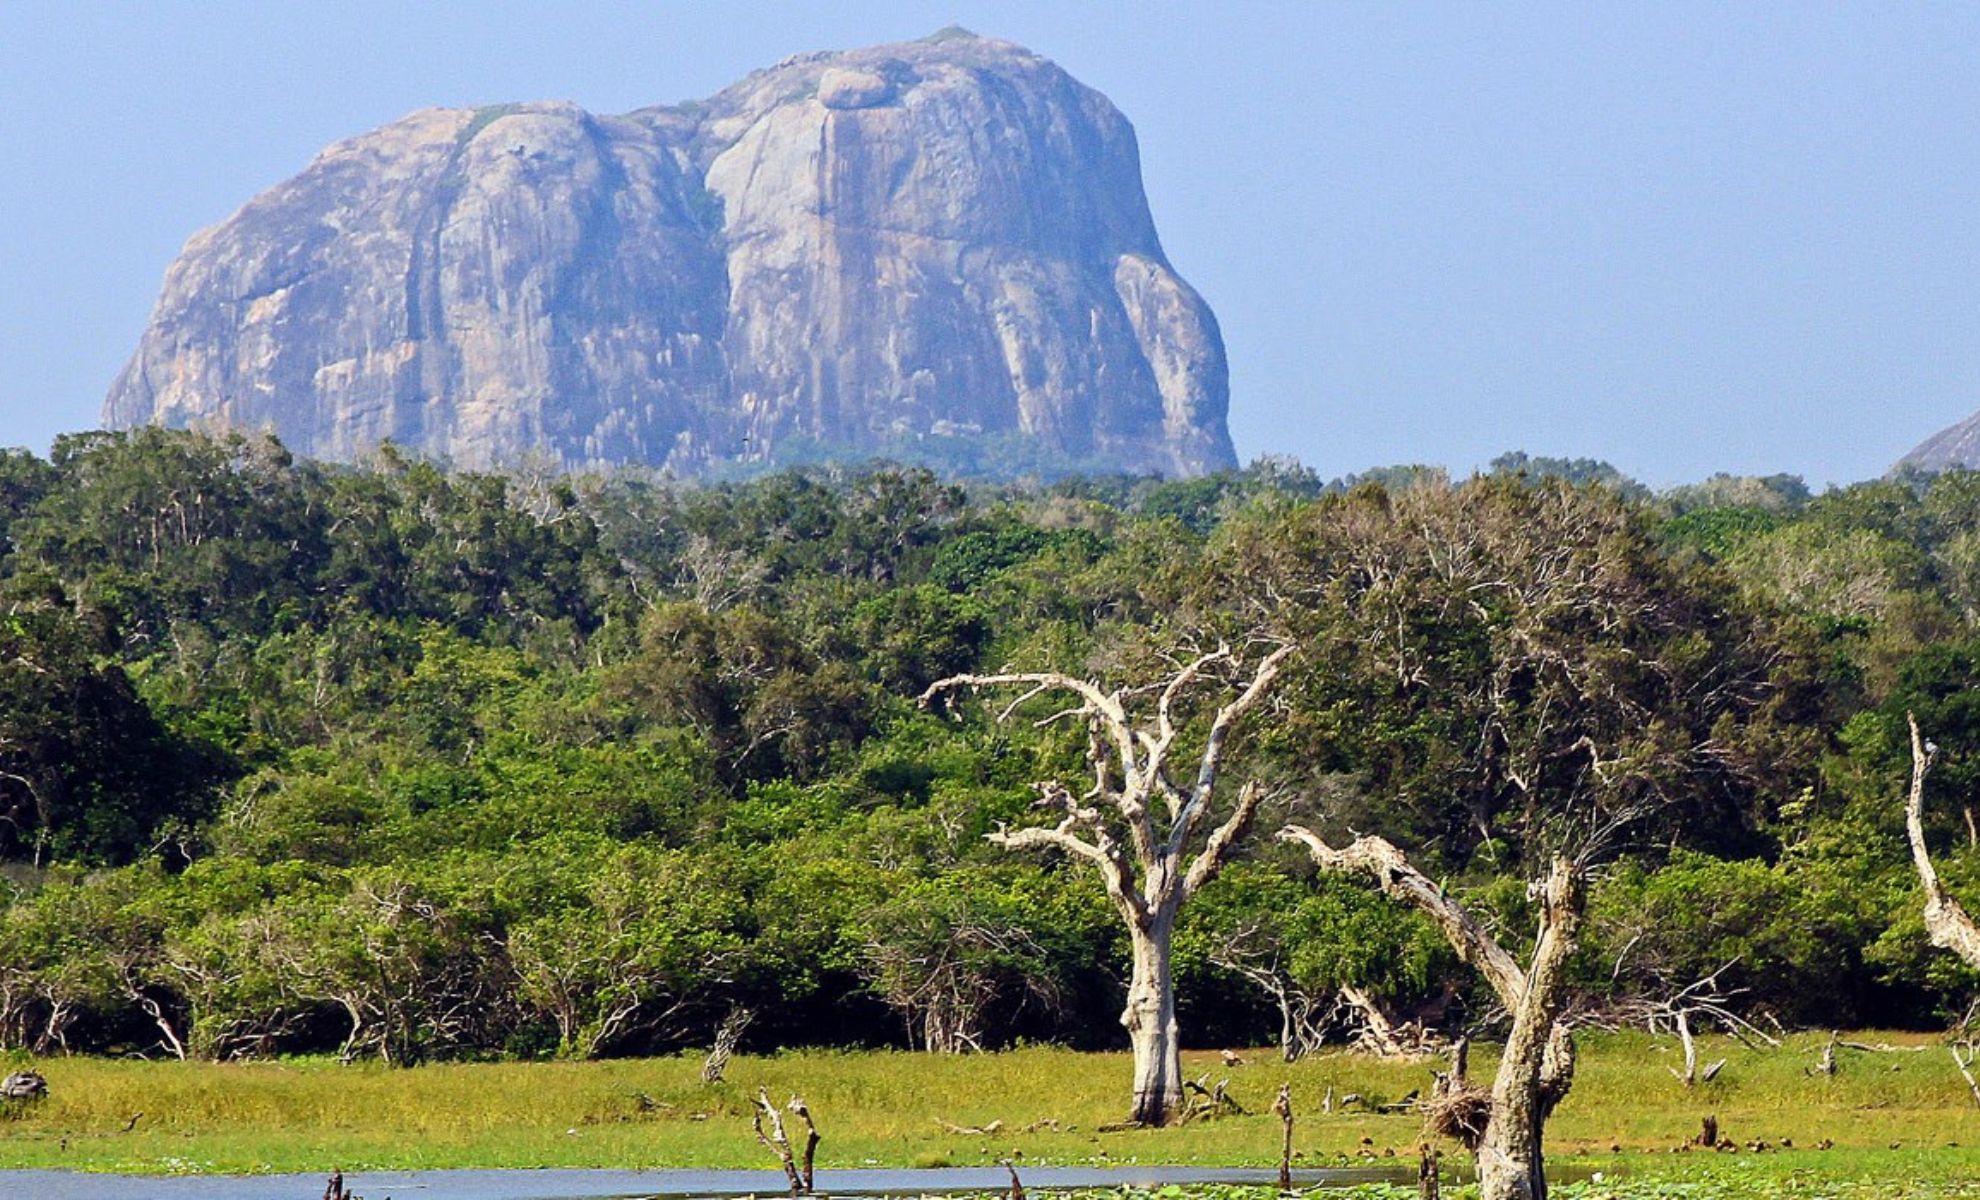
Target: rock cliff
[[847, 252]]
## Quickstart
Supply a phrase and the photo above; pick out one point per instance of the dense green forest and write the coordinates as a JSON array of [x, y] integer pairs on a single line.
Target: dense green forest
[[400, 762]]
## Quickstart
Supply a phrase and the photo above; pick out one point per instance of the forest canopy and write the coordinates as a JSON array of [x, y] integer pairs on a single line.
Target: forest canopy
[[398, 761]]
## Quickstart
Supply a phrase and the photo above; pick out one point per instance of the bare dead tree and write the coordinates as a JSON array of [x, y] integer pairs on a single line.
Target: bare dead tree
[[1689, 1076], [776, 1139], [728, 1035], [943, 972], [1683, 1010], [1379, 1033], [716, 578], [1946, 922], [798, 1106], [1502, 1127], [1143, 830]]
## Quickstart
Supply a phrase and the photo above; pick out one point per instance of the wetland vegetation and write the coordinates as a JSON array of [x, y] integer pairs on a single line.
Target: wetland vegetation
[[310, 773]]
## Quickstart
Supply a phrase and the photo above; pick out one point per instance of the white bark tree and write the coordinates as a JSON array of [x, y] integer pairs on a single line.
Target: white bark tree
[[1503, 1128], [1149, 835], [1946, 922]]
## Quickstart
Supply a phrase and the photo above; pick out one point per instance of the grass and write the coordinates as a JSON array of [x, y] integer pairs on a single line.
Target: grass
[[1893, 1118]]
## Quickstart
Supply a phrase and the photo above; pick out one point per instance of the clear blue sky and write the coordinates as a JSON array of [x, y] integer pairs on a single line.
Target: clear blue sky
[[1682, 237]]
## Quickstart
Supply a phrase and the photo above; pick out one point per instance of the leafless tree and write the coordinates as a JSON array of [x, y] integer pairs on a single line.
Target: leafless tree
[[1664, 1006], [1149, 835], [1946, 920], [1503, 1126]]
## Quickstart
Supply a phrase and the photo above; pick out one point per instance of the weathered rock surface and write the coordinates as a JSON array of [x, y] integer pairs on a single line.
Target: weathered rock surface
[[1958, 446], [857, 251]]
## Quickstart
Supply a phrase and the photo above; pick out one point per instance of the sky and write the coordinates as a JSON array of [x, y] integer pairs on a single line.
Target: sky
[[1685, 238]]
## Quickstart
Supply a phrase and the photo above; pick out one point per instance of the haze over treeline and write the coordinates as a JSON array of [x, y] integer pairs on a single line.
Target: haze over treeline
[[399, 762]]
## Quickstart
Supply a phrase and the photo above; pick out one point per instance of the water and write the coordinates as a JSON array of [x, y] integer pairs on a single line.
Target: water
[[564, 1184]]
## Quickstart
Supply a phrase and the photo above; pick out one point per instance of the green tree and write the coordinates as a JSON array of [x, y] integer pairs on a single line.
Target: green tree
[[625, 941], [86, 772]]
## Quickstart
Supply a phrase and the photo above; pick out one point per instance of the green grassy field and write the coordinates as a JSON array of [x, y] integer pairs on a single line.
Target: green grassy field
[[1895, 1119]]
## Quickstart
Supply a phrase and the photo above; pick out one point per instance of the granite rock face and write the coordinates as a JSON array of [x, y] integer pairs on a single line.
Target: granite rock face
[[1956, 446], [851, 251]]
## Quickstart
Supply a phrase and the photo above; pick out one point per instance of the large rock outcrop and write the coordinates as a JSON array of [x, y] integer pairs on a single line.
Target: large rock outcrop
[[1956, 446], [849, 252]]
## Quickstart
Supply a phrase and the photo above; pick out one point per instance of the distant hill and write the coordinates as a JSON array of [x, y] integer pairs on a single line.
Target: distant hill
[[921, 249], [1955, 446]]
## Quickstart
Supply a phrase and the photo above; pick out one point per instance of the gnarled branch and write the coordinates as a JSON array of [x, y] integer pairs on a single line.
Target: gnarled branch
[[1213, 747], [1104, 709], [1378, 859], [1104, 853], [1205, 866]]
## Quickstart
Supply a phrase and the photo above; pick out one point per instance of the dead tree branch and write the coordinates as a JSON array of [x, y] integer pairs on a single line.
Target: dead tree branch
[[776, 1139], [1965, 1064], [797, 1106]]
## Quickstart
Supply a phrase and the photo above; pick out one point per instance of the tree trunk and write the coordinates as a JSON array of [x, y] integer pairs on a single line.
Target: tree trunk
[[1534, 1074], [1509, 1161], [1947, 924], [1150, 1018], [1537, 1067]]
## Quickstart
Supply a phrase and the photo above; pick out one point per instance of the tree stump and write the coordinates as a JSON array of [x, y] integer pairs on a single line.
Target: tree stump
[[1428, 1187], [797, 1106], [1283, 1108]]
